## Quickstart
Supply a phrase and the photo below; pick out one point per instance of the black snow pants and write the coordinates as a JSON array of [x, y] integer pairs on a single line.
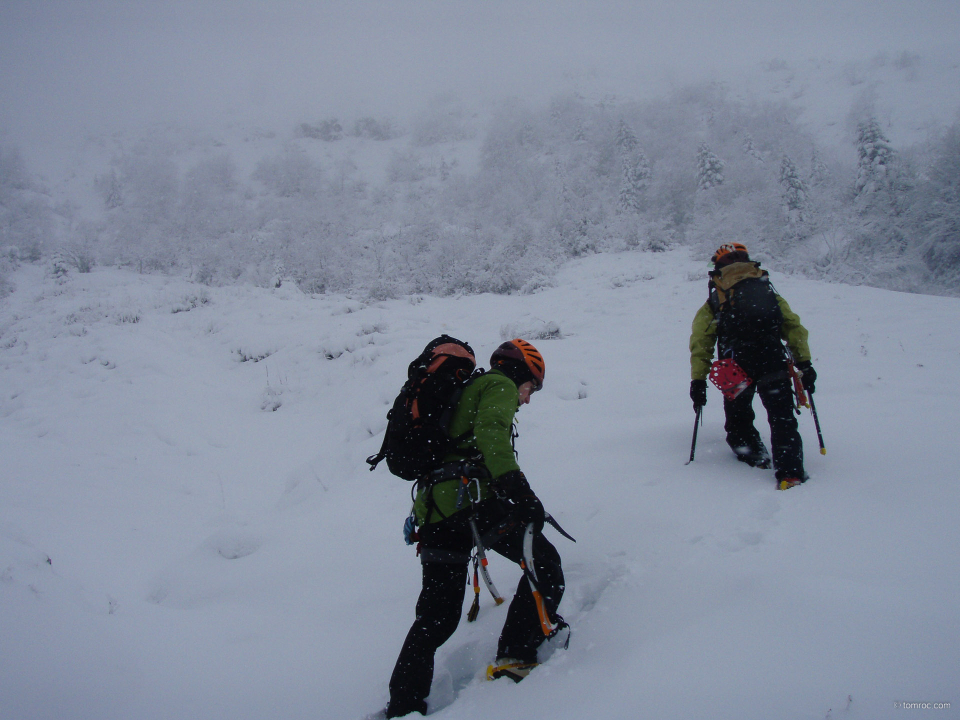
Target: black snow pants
[[777, 398], [445, 552]]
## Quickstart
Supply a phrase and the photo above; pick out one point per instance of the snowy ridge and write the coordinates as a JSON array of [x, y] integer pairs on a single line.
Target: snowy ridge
[[188, 529]]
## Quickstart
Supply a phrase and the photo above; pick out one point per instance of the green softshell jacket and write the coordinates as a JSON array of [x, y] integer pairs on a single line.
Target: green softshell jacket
[[483, 418], [703, 336]]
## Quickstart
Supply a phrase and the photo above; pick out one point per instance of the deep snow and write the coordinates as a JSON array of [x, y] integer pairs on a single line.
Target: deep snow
[[188, 529]]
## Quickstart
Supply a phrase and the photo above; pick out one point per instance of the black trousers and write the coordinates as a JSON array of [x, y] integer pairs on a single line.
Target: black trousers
[[777, 399], [445, 548]]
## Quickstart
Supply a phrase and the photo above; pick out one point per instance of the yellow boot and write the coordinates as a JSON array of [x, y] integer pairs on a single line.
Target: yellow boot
[[514, 669]]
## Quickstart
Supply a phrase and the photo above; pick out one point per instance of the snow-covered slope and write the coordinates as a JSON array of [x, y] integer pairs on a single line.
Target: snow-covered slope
[[188, 529]]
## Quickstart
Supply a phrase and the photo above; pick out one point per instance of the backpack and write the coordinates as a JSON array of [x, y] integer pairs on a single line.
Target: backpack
[[749, 320], [747, 311], [416, 439]]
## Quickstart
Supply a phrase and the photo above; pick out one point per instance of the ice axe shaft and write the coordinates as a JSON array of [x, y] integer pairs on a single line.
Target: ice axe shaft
[[804, 398], [816, 422], [696, 425], [482, 562], [549, 627]]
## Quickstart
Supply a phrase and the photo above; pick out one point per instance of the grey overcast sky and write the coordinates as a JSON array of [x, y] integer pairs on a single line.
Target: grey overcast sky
[[100, 65]]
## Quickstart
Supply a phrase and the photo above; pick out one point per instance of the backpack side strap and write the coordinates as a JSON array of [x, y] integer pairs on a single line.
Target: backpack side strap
[[375, 460]]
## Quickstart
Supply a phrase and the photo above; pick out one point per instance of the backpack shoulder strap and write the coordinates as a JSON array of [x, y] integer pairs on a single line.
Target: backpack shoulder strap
[[716, 297], [448, 416]]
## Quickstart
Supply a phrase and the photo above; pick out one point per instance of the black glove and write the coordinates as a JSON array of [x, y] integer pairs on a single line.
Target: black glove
[[528, 507], [809, 376], [698, 393]]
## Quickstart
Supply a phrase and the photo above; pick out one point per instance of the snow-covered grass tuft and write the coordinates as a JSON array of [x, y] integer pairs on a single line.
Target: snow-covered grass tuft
[[531, 329]]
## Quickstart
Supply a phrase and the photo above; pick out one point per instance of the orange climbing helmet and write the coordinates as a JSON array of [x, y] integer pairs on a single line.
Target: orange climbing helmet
[[522, 356], [728, 248]]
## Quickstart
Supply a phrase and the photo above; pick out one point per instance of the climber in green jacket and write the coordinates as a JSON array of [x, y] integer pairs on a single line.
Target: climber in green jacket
[[483, 418], [748, 322], [497, 500]]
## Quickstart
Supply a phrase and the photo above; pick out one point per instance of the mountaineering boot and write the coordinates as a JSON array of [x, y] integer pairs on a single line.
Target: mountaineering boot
[[514, 669], [754, 456], [787, 483], [758, 461]]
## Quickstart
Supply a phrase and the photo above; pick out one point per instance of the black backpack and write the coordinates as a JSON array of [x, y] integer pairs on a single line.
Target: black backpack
[[416, 439], [749, 320], [748, 311]]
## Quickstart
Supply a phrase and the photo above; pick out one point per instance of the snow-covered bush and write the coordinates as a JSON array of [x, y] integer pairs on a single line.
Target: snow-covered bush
[[291, 174], [499, 206], [374, 128], [937, 215], [445, 120], [329, 130], [26, 219]]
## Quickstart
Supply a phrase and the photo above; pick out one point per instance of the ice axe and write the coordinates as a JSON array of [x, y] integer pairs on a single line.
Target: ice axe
[[696, 424], [805, 399], [549, 627], [816, 422], [480, 563]]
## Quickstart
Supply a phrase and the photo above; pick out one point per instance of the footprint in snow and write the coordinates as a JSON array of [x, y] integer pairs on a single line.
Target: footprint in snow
[[232, 544]]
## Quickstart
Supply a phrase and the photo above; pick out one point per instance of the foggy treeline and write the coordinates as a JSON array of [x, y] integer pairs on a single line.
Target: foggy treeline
[[573, 177]]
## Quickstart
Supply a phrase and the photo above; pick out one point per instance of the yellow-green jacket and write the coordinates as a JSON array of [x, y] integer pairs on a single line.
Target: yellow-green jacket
[[484, 420], [703, 336]]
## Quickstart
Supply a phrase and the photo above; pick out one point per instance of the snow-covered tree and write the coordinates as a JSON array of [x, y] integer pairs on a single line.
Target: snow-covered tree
[[792, 192], [819, 173], [143, 230], [210, 215], [878, 224], [709, 169], [59, 266], [626, 141], [110, 189], [941, 210], [874, 159], [26, 220], [634, 182]]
